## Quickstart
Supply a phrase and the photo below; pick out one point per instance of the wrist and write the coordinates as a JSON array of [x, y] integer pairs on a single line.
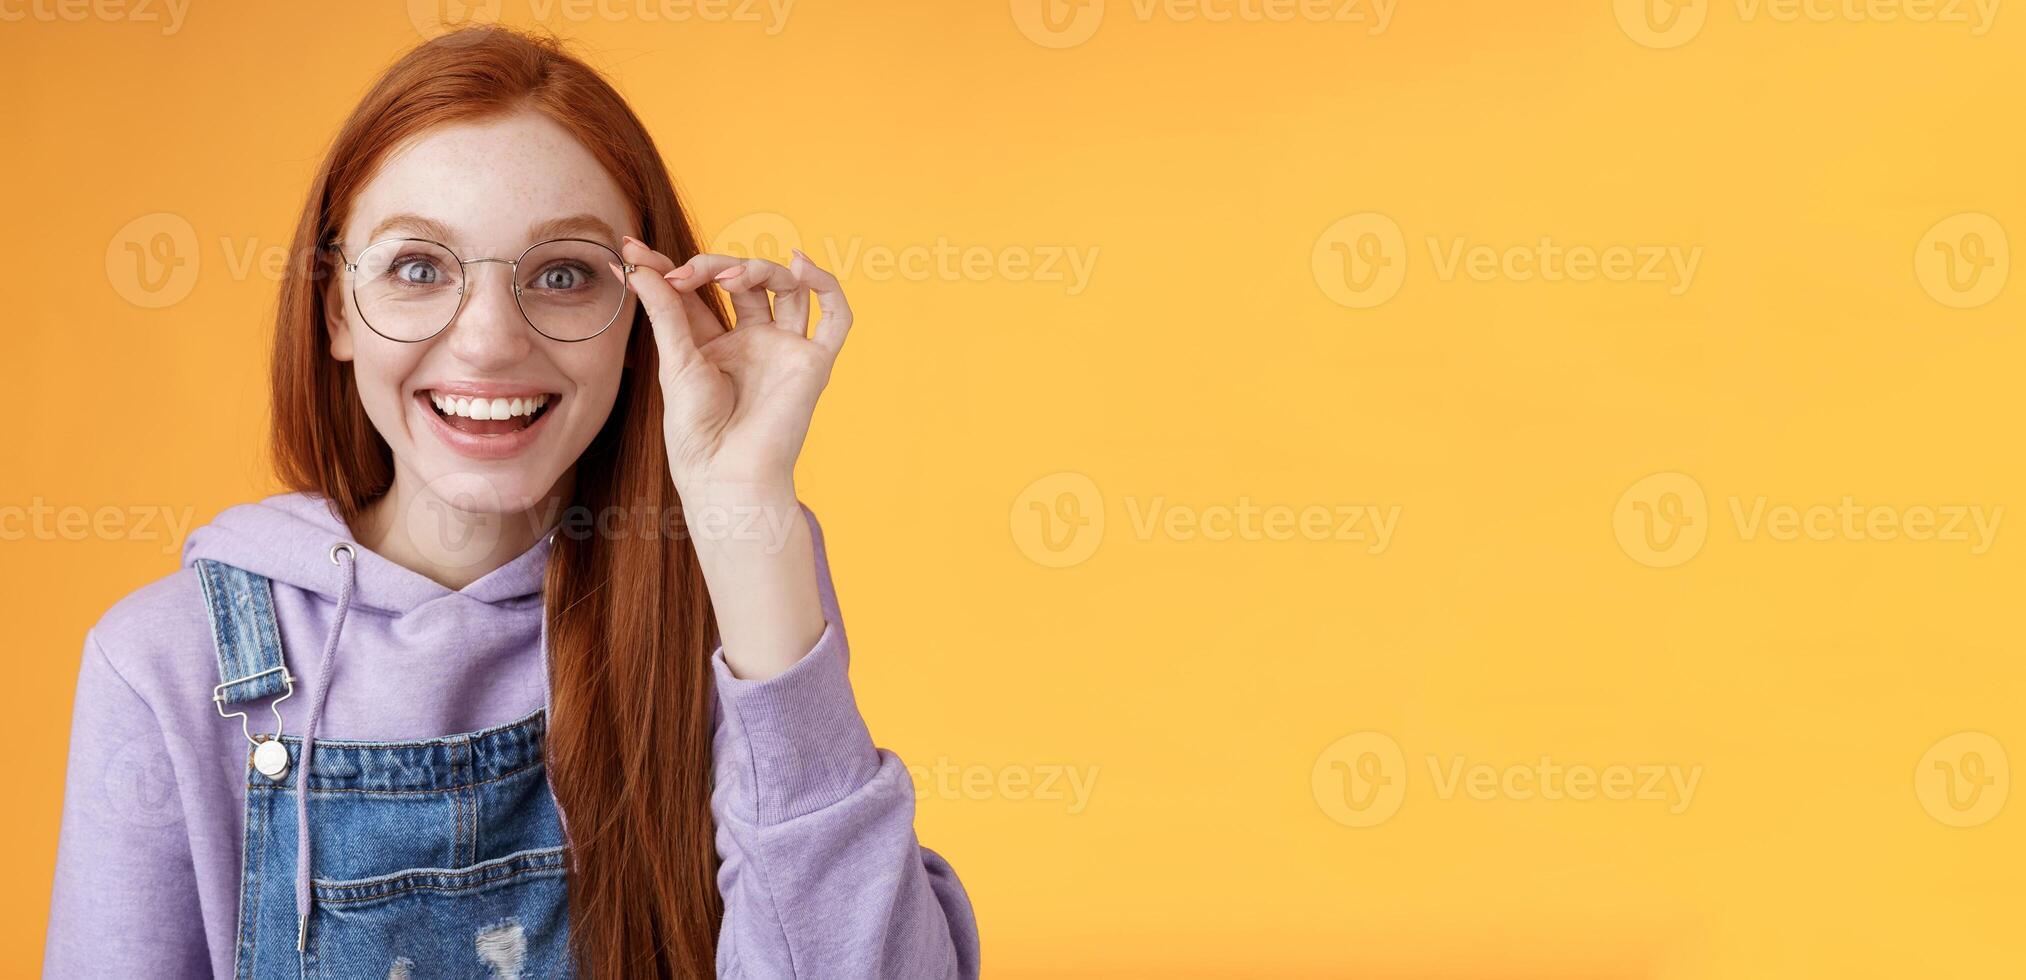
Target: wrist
[[758, 561], [743, 518]]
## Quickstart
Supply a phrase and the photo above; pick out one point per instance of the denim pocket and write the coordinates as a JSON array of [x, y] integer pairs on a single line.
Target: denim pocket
[[434, 858], [504, 918]]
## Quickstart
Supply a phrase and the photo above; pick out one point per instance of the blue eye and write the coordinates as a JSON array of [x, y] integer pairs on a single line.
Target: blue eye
[[562, 277], [416, 270]]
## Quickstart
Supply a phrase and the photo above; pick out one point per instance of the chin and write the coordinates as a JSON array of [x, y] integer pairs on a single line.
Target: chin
[[488, 490]]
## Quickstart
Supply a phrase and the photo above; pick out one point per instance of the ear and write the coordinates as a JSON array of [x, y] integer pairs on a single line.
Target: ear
[[336, 319]]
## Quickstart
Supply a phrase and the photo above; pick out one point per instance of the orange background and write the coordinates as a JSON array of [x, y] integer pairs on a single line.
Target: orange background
[[1238, 703]]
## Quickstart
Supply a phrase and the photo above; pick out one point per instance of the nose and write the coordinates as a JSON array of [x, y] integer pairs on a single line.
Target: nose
[[489, 331]]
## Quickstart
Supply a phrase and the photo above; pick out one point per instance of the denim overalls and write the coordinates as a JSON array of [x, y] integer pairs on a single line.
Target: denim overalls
[[441, 858]]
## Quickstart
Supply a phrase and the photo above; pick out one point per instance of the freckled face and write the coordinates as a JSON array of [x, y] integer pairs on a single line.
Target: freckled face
[[488, 414]]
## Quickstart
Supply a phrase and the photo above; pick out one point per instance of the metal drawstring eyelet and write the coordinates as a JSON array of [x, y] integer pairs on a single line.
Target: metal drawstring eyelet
[[346, 547]]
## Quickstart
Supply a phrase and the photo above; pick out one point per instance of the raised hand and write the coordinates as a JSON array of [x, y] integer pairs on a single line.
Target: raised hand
[[738, 401], [738, 404]]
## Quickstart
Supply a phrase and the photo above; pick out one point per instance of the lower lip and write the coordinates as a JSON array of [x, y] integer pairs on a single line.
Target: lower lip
[[474, 446]]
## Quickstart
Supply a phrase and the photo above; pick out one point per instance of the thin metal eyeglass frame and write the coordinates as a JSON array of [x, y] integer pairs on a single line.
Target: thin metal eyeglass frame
[[464, 280]]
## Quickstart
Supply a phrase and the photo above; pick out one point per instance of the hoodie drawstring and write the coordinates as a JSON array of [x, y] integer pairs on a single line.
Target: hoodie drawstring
[[322, 689], [548, 725]]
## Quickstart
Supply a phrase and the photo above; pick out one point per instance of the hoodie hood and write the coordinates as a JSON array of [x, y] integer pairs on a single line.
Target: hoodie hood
[[409, 658], [307, 554], [288, 538]]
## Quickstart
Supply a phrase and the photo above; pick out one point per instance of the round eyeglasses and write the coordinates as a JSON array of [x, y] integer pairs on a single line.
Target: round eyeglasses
[[409, 289]]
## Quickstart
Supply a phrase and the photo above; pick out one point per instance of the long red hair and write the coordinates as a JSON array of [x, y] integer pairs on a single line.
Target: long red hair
[[629, 620]]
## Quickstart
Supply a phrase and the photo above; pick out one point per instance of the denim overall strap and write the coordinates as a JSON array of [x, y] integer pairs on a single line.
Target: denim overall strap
[[243, 628]]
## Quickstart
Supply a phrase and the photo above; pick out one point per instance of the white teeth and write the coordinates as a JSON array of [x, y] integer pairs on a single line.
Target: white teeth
[[487, 408]]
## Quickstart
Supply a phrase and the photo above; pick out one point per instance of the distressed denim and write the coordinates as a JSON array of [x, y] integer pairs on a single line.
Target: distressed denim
[[440, 858]]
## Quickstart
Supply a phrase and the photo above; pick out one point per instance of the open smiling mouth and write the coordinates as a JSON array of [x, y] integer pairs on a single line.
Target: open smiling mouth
[[488, 416]]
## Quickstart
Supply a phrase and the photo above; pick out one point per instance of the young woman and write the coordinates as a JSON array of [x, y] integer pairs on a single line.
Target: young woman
[[539, 672]]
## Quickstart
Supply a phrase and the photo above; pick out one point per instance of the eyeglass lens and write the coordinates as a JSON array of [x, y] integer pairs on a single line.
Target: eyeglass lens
[[408, 289]]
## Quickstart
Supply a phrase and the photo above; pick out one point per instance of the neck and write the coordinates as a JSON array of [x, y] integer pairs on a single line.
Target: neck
[[453, 538]]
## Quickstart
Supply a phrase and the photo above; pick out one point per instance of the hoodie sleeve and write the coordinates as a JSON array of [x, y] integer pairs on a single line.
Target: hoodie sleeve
[[125, 899], [819, 867]]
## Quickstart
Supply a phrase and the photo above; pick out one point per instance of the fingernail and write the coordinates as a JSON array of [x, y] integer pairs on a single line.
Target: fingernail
[[731, 273], [806, 259], [629, 239], [680, 272], [617, 271]]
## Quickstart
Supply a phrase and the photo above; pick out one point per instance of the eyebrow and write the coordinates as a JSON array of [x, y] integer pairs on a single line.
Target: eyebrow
[[570, 226], [576, 226], [413, 224]]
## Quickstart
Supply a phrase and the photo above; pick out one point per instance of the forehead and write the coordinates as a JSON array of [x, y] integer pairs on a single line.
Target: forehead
[[500, 183]]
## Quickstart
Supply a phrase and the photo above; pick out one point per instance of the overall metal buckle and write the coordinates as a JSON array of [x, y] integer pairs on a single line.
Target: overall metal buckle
[[269, 756]]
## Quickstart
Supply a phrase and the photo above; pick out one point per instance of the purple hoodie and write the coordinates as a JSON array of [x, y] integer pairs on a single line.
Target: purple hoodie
[[820, 870]]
